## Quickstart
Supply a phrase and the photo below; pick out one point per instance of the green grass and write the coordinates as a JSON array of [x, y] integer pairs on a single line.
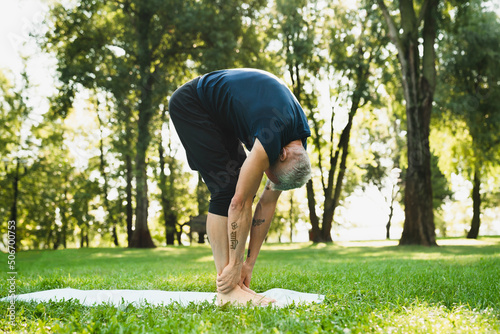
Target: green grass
[[369, 287]]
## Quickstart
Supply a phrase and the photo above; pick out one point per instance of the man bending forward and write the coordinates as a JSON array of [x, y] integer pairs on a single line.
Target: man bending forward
[[213, 115]]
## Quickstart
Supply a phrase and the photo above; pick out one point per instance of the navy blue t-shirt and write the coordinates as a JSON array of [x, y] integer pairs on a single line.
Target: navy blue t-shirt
[[254, 104]]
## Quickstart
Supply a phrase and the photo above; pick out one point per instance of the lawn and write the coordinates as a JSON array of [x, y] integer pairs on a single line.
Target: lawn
[[369, 287]]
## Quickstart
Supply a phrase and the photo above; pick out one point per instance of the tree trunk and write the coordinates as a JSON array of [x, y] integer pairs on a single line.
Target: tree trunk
[[476, 205], [13, 209], [127, 154], [56, 243], [389, 221], [334, 198], [169, 218], [178, 235], [48, 239], [128, 189], [64, 216], [114, 234], [419, 88], [338, 187], [391, 213], [82, 237], [202, 196], [419, 82], [315, 232], [201, 238], [332, 194], [84, 230], [102, 166], [314, 235], [170, 229], [86, 235], [419, 219], [142, 237]]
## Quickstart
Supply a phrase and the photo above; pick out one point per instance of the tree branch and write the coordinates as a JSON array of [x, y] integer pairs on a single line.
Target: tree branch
[[393, 31], [316, 140], [429, 37], [423, 10]]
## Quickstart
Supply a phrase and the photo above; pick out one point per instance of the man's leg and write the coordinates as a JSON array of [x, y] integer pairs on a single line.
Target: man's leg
[[217, 157], [218, 237]]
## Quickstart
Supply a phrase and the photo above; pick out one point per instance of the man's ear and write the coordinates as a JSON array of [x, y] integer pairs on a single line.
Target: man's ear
[[283, 154]]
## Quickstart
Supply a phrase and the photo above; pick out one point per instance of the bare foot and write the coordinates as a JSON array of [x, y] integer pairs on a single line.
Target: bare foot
[[264, 298], [239, 297]]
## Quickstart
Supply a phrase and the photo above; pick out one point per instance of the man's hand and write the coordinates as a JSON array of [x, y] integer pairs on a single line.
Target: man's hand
[[229, 278], [246, 274]]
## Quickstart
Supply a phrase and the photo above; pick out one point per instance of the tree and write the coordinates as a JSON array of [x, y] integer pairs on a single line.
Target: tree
[[418, 77], [103, 169], [231, 34], [15, 143], [123, 144], [355, 58], [49, 188], [469, 97], [172, 182], [296, 25], [167, 195], [40, 186], [355, 44], [84, 192]]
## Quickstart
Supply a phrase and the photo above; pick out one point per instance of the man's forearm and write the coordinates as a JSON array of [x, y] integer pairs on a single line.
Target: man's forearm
[[239, 217], [260, 227], [238, 228]]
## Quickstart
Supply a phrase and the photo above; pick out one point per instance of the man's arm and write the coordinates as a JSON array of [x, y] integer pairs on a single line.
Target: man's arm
[[261, 221], [240, 215]]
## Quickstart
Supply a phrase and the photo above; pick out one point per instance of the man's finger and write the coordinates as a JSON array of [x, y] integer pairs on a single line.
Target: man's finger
[[222, 284], [223, 289]]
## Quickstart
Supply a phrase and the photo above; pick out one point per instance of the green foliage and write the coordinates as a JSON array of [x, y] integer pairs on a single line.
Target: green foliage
[[467, 120], [299, 27], [469, 92], [358, 53], [49, 221], [228, 34], [13, 113], [36, 161], [287, 215], [440, 185], [369, 288]]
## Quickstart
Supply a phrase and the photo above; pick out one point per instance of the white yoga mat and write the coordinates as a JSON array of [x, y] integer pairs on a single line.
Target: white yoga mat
[[283, 297]]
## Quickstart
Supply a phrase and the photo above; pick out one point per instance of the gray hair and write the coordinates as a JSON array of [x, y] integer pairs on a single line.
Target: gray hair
[[295, 173]]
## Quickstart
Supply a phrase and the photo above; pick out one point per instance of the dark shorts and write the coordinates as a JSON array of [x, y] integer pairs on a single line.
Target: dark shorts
[[215, 153]]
